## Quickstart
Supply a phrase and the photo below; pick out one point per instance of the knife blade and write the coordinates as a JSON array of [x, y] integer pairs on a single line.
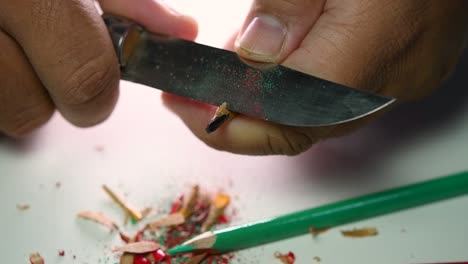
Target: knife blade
[[214, 76]]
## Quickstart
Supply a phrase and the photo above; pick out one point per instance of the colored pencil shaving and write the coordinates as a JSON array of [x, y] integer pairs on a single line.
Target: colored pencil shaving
[[169, 220], [138, 247], [127, 258], [221, 116], [316, 232], [189, 204], [184, 221], [362, 232], [147, 212], [288, 258], [134, 213], [36, 258], [156, 256], [217, 208], [23, 207], [98, 218], [196, 259]]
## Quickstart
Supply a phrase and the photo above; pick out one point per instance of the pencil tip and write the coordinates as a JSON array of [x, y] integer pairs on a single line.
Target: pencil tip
[[216, 123], [180, 249]]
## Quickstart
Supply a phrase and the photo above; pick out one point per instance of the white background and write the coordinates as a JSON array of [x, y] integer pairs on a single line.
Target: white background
[[149, 154]]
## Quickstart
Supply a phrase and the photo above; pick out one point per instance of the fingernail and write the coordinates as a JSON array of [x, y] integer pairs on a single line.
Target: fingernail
[[263, 39]]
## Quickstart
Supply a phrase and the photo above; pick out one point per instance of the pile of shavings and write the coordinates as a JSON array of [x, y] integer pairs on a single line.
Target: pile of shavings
[[188, 217]]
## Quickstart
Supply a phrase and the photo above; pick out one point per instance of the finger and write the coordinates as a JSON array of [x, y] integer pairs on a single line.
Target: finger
[[274, 28], [362, 45], [24, 102], [70, 49], [242, 134], [156, 16]]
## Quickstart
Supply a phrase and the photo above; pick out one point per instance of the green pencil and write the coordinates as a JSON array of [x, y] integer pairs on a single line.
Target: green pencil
[[338, 213]]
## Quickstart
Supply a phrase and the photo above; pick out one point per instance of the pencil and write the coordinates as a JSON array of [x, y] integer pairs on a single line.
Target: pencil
[[334, 214]]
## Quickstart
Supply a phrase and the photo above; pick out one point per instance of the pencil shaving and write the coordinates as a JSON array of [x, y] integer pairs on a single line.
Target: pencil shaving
[[36, 258], [134, 213], [187, 209], [98, 218], [316, 232], [23, 207], [288, 258], [138, 247], [170, 220], [197, 259], [362, 232], [217, 208], [146, 212], [127, 258]]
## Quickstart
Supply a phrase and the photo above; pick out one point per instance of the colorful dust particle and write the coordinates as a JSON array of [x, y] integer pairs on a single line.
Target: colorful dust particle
[[288, 258]]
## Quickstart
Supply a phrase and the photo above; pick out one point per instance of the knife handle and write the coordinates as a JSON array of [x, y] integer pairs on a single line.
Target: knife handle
[[124, 34]]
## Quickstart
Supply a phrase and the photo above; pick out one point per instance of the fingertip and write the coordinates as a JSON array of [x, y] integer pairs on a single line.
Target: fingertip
[[155, 16]]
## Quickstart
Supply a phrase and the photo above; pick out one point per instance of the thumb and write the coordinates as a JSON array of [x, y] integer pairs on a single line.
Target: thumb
[[274, 28]]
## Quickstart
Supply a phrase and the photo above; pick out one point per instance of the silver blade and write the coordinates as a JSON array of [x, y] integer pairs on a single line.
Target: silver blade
[[274, 93]]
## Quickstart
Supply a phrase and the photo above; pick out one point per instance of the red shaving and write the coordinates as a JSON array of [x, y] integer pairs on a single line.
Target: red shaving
[[223, 219], [289, 258], [224, 259], [61, 253], [158, 255], [177, 205], [140, 260]]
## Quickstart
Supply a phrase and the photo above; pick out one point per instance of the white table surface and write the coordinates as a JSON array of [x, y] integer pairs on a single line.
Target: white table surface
[[149, 154]]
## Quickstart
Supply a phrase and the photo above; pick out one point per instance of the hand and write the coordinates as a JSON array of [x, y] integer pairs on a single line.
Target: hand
[[398, 48], [57, 54]]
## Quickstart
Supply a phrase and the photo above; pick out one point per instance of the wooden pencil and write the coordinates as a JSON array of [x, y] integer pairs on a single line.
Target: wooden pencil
[[335, 214]]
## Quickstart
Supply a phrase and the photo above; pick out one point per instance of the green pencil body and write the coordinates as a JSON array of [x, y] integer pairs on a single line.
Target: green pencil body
[[339, 213]]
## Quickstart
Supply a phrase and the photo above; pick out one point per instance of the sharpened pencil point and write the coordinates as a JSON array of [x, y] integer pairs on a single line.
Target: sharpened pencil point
[[216, 123], [221, 116], [181, 249]]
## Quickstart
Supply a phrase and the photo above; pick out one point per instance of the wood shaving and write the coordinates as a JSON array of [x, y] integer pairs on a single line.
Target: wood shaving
[[316, 232], [170, 220], [317, 259], [126, 258], [98, 218], [23, 207], [189, 204], [288, 258], [361, 232], [146, 212], [134, 213], [196, 259], [138, 247], [217, 208], [35, 258]]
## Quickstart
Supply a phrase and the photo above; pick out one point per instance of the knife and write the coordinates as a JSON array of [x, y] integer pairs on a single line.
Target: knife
[[216, 76]]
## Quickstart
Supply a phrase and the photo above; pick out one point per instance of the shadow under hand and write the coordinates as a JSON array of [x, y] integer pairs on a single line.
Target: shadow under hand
[[342, 159]]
